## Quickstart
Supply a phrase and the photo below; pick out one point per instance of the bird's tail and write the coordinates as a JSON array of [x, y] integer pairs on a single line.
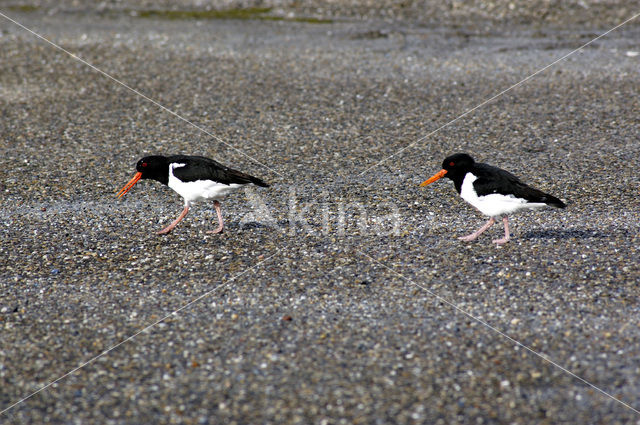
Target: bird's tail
[[258, 182], [553, 201]]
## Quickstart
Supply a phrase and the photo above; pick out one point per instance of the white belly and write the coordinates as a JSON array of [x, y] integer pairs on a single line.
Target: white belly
[[200, 189], [494, 204]]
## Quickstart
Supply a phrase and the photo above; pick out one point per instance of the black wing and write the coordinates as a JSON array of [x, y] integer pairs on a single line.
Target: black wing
[[496, 180], [203, 168]]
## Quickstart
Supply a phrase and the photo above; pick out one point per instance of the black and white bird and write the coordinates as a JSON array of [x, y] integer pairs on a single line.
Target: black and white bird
[[194, 178], [493, 191]]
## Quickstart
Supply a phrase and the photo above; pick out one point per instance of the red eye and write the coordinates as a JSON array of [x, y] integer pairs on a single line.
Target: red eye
[[451, 164], [144, 164]]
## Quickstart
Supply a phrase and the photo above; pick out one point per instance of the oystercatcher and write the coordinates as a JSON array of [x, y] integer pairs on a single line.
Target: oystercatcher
[[192, 177], [493, 191]]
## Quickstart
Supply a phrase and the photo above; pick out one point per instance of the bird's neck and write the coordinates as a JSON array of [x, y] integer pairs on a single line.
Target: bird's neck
[[163, 178], [160, 176], [457, 182]]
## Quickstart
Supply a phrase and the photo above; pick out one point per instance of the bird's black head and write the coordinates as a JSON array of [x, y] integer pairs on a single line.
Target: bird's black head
[[457, 165], [155, 167], [453, 167], [149, 167]]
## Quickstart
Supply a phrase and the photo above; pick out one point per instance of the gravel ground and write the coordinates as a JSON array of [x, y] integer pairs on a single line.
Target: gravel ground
[[327, 299]]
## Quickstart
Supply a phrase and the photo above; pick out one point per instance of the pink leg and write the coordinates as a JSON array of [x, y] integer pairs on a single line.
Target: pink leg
[[176, 221], [504, 240], [216, 204], [477, 233]]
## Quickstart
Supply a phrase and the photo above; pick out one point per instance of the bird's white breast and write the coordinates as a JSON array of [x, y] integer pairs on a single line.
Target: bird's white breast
[[199, 189], [494, 204]]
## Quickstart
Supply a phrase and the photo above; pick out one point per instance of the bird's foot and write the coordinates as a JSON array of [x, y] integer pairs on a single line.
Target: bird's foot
[[468, 238], [218, 230], [500, 241], [175, 222]]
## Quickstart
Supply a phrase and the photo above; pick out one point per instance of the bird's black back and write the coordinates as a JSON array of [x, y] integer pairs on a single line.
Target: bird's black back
[[492, 179], [203, 168]]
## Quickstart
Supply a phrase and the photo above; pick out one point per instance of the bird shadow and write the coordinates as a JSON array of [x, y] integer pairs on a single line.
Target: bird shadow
[[260, 225], [573, 234]]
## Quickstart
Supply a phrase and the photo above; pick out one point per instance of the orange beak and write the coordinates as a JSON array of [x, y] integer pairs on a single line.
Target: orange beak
[[440, 174], [129, 185]]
